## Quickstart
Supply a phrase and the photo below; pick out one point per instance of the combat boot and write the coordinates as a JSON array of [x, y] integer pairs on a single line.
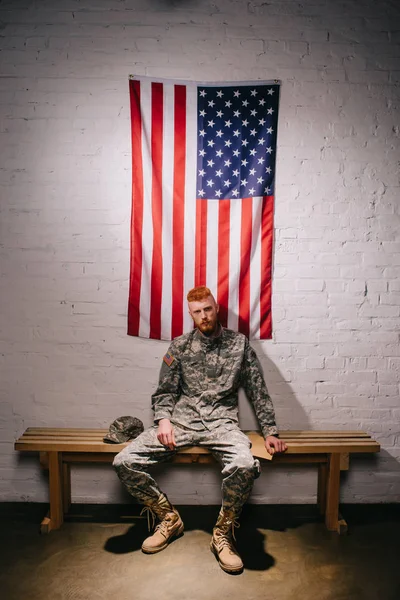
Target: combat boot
[[222, 543], [170, 525]]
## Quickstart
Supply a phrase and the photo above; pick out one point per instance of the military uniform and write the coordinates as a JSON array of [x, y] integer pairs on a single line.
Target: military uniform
[[198, 392]]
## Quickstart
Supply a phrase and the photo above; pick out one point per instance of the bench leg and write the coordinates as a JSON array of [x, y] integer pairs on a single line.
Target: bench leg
[[322, 485], [334, 521], [66, 487], [54, 520]]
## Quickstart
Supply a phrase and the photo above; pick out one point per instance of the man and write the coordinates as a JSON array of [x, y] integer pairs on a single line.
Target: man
[[196, 403]]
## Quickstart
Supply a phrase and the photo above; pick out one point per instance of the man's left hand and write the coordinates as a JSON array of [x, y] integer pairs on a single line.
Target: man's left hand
[[274, 444]]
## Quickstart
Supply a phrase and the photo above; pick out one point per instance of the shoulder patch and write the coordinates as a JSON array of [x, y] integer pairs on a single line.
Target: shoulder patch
[[168, 359]]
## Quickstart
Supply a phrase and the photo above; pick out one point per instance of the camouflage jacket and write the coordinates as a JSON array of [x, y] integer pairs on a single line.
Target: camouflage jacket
[[200, 378]]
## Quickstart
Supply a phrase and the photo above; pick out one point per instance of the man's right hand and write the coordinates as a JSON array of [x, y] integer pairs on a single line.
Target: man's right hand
[[165, 434]]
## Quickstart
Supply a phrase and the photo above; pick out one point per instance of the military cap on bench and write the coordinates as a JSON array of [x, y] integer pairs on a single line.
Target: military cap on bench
[[123, 430]]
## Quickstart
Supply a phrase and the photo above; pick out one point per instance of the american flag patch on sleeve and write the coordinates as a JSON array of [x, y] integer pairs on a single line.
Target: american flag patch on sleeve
[[168, 359]]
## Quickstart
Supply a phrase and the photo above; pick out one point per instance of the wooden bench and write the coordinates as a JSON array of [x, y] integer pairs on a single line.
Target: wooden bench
[[330, 450]]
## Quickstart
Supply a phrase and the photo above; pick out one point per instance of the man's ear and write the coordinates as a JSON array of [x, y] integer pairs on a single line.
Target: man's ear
[[217, 308]]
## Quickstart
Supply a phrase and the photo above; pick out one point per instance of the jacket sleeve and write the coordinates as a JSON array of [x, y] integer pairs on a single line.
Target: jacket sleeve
[[252, 381], [168, 390]]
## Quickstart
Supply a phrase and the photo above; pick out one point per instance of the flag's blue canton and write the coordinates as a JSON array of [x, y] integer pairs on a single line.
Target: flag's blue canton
[[236, 141]]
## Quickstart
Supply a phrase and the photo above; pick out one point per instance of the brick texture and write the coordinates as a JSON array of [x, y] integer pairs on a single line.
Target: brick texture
[[65, 358]]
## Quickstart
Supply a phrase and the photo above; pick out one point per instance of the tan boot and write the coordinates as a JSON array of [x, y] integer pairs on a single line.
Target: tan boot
[[170, 525], [222, 543]]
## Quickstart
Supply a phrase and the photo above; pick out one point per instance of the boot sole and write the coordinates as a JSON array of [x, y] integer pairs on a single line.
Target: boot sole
[[222, 565], [154, 550]]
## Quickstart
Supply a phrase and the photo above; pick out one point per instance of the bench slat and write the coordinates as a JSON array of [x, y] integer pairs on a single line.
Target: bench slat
[[306, 447], [98, 438], [103, 431], [77, 430], [99, 434]]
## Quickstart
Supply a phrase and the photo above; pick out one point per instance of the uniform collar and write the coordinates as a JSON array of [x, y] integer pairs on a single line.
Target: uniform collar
[[210, 341]]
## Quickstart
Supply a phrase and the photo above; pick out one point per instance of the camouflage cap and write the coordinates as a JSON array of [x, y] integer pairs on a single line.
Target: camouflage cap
[[123, 429]]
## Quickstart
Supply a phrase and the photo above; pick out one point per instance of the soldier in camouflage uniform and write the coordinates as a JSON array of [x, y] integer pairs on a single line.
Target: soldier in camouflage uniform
[[196, 403]]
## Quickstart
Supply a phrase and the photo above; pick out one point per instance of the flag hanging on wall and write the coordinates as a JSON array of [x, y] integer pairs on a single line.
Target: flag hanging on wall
[[203, 172]]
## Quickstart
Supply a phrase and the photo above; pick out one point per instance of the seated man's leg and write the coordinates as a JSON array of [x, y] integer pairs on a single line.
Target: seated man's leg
[[232, 450], [131, 465]]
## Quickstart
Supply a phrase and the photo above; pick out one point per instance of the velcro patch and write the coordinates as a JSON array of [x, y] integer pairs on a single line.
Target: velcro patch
[[168, 359]]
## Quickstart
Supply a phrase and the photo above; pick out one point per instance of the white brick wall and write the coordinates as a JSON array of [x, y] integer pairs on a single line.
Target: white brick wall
[[65, 211]]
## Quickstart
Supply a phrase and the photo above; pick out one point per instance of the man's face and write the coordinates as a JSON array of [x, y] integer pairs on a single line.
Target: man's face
[[205, 315]]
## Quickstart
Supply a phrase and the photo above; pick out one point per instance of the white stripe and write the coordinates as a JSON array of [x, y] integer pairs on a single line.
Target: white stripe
[[255, 270], [212, 246], [167, 209], [190, 200], [147, 234], [234, 263]]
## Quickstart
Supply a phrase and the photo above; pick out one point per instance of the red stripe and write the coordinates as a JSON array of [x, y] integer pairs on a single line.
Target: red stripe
[[244, 276], [137, 211], [178, 210], [223, 259], [201, 243], [197, 244], [267, 232], [156, 193]]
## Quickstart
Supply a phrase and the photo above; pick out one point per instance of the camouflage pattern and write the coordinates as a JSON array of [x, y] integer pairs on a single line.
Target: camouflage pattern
[[229, 445], [198, 392], [198, 388], [124, 429]]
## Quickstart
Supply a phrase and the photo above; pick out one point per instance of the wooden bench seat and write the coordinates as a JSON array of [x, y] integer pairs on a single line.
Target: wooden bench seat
[[330, 450]]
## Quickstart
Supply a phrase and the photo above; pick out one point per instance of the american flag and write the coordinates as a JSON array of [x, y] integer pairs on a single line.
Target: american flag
[[203, 172]]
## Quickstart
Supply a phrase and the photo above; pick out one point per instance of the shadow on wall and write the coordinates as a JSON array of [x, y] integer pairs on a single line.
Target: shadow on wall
[[289, 412], [163, 4], [367, 471]]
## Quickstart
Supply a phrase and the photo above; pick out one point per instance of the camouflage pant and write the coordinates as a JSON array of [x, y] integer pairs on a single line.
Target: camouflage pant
[[230, 447]]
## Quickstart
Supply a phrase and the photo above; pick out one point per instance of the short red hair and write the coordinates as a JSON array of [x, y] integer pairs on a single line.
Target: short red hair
[[201, 292]]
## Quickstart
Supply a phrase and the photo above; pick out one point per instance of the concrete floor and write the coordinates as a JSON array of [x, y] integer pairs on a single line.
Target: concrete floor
[[287, 552]]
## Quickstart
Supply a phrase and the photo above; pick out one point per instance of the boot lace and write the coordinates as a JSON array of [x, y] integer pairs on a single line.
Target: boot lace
[[164, 524], [150, 516], [156, 510], [223, 535]]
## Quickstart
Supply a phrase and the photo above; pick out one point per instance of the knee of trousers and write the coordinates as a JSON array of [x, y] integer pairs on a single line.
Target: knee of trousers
[[249, 468], [244, 463], [118, 461], [247, 473], [124, 462]]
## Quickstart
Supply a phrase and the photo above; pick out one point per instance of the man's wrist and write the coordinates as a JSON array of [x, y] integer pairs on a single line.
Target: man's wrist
[[162, 419], [270, 431]]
